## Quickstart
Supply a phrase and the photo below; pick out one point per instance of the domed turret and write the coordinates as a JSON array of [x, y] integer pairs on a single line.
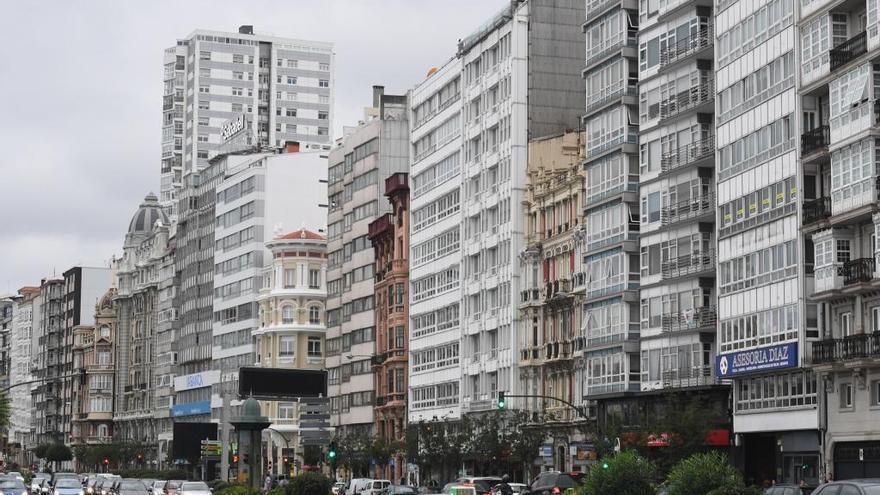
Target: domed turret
[[146, 215]]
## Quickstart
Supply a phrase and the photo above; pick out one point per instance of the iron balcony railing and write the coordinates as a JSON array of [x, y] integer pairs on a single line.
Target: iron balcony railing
[[690, 319], [861, 346], [815, 139], [848, 50], [689, 377], [689, 264], [689, 98], [688, 209], [687, 154], [858, 271], [687, 46], [817, 209]]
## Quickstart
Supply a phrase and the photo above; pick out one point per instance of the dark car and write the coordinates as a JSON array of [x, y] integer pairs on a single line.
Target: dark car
[[850, 487], [788, 489], [553, 482], [172, 487], [12, 486]]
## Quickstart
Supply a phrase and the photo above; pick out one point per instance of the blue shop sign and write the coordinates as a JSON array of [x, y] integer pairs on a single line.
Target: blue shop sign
[[191, 408], [767, 358], [545, 451]]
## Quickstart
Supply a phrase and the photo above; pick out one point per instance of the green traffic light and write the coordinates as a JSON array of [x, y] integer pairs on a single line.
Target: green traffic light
[[604, 465], [331, 454]]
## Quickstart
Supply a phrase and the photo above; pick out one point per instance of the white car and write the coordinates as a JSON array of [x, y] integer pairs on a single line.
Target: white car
[[375, 487], [356, 485]]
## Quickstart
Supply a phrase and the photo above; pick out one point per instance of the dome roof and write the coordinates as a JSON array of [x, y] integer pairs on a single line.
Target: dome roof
[[146, 215], [302, 234]]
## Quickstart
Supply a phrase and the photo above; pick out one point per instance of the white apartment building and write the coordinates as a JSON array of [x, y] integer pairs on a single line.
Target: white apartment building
[[259, 196], [520, 79], [764, 275], [284, 87], [358, 166], [435, 245], [23, 349]]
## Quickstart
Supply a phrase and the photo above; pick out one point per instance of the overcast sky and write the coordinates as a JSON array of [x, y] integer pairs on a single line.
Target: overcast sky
[[82, 89]]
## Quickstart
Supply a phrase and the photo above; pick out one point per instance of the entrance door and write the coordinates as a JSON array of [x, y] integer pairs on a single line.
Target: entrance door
[[560, 458], [854, 460], [760, 458]]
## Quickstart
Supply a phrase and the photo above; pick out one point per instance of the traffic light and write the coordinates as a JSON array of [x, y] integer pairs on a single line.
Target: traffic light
[[140, 456], [604, 465], [285, 460], [502, 403], [235, 458], [106, 461], [331, 451]]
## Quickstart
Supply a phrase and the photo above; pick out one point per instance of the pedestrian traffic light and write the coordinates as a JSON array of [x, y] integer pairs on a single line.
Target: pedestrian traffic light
[[502, 403], [331, 451], [285, 460]]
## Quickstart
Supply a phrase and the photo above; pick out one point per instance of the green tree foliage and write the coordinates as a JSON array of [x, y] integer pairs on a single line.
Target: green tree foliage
[[626, 473], [705, 474], [40, 450], [235, 489], [309, 484], [5, 410]]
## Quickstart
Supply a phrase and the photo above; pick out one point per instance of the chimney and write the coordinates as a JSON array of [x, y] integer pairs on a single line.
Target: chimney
[[246, 29], [291, 147], [378, 91]]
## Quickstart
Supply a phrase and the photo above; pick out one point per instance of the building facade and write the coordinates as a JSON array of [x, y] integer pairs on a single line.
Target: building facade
[[549, 312], [24, 351], [838, 95], [93, 358], [389, 235], [358, 166], [283, 87], [291, 331]]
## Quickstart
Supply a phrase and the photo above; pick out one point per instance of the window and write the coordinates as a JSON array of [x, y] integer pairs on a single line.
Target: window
[[287, 346], [846, 325], [289, 278], [285, 410], [290, 112], [322, 131], [322, 115], [314, 344], [288, 315], [314, 315], [291, 80], [204, 55], [291, 63], [204, 89], [204, 72], [104, 333], [778, 391], [324, 66], [238, 59], [846, 395], [651, 208], [236, 107], [323, 83], [314, 279]]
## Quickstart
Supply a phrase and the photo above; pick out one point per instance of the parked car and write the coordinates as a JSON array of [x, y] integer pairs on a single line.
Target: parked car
[[12, 486], [375, 487], [194, 488], [788, 489], [850, 487], [129, 487], [355, 485], [553, 483], [67, 486], [171, 487]]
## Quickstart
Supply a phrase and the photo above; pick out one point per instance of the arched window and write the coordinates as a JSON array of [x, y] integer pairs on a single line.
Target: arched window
[[287, 315], [314, 315]]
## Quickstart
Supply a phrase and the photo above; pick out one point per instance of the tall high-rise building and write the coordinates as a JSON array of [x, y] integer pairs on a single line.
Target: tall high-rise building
[[283, 88], [766, 318], [521, 79], [24, 350], [435, 244], [358, 166]]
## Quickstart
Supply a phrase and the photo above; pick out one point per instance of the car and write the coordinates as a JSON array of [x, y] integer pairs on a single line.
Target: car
[[194, 488], [102, 486], [34, 484], [12, 486], [16, 475], [46, 486], [336, 487], [56, 477], [355, 485], [171, 487], [455, 489], [148, 483], [67, 486], [157, 487], [553, 483], [375, 487], [788, 489], [850, 487], [482, 484], [129, 486], [399, 490]]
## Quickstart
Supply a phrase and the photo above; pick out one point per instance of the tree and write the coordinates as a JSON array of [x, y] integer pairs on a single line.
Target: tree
[[309, 484], [40, 450], [5, 410], [705, 474], [311, 455], [58, 452], [626, 473], [526, 439]]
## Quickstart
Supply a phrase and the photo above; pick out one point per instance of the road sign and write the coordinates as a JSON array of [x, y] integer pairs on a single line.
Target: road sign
[[314, 441]]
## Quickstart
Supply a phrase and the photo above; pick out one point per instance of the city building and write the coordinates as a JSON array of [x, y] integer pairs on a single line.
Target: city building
[[7, 320], [24, 350], [389, 236], [367, 154], [282, 88], [291, 328], [549, 312], [167, 321], [520, 80], [764, 271], [93, 359], [136, 304], [434, 339], [840, 189], [48, 326]]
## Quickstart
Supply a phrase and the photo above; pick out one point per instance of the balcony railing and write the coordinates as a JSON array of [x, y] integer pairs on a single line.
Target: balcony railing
[[817, 209], [688, 154], [687, 46], [861, 346], [815, 139], [848, 50], [688, 99], [689, 264], [858, 271], [531, 295], [688, 209], [690, 319]]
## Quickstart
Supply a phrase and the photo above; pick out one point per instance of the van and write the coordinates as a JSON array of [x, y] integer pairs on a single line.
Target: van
[[356, 485], [375, 487]]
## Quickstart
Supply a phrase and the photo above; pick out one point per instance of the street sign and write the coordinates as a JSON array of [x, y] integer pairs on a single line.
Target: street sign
[[314, 433], [314, 441]]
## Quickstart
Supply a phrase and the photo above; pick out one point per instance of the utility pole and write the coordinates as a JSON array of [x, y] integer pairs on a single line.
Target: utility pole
[[225, 437]]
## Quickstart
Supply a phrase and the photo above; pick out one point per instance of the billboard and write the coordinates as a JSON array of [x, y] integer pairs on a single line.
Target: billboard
[[767, 358], [187, 444], [279, 383]]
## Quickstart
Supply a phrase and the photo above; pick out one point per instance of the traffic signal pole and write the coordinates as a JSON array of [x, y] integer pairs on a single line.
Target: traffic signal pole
[[502, 404]]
